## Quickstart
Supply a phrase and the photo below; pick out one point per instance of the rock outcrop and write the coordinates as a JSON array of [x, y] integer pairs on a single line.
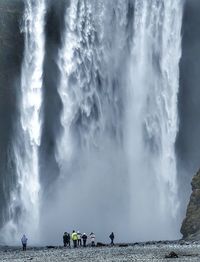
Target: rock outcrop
[[191, 224]]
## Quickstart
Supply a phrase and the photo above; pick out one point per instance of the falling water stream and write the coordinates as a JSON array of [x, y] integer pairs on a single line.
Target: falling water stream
[[24, 208], [152, 117], [118, 85]]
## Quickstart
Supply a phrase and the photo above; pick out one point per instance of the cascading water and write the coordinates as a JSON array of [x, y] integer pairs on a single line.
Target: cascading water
[[119, 80], [92, 90], [24, 208], [89, 151], [152, 118], [88, 63]]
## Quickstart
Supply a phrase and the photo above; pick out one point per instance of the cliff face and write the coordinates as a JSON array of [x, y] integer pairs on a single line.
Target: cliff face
[[187, 145], [191, 224], [11, 40], [11, 53]]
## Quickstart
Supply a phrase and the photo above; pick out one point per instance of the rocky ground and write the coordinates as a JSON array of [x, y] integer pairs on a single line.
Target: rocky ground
[[140, 252]]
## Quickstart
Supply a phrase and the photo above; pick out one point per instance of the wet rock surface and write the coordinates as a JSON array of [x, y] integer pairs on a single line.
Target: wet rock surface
[[11, 54], [140, 252], [191, 224]]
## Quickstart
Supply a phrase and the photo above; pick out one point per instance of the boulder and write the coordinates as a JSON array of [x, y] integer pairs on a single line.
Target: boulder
[[172, 255], [99, 244], [190, 228], [123, 245]]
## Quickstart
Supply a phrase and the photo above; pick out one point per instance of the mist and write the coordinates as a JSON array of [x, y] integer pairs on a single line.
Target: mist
[[86, 199]]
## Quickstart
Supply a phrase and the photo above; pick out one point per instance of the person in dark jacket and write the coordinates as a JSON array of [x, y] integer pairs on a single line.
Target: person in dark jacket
[[66, 239], [84, 237], [112, 236], [24, 240]]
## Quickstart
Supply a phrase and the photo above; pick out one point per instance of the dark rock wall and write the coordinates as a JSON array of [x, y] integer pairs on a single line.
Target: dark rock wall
[[191, 224], [52, 105], [188, 140], [11, 53]]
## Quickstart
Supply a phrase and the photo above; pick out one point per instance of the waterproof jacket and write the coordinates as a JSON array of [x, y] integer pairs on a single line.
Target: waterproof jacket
[[79, 235], [68, 237], [65, 238], [112, 236], [74, 236], [24, 240], [84, 237], [92, 237]]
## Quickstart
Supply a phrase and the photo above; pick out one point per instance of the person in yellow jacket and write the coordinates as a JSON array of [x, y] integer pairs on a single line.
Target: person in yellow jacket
[[74, 237]]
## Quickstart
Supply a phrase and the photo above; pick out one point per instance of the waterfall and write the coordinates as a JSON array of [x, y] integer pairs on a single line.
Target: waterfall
[[88, 150], [118, 85], [24, 207], [152, 118]]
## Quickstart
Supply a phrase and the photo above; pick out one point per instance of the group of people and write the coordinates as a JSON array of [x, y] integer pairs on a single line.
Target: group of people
[[77, 238], [81, 239]]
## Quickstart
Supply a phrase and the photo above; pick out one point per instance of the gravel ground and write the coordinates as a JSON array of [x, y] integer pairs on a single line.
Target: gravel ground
[[150, 252]]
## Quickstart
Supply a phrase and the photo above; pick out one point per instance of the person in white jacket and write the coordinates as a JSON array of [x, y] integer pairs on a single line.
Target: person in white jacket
[[92, 239], [79, 238], [24, 240]]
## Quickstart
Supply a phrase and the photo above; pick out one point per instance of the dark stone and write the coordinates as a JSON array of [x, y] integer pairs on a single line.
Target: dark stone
[[99, 244], [172, 255], [123, 245]]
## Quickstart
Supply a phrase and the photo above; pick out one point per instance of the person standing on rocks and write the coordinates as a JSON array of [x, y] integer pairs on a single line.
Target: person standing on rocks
[[68, 240], [79, 238], [112, 236], [92, 238], [84, 237], [74, 238], [65, 239], [24, 240]]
